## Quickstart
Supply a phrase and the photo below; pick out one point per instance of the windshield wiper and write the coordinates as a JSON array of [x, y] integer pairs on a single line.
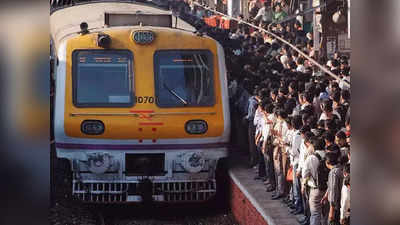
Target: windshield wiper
[[176, 95]]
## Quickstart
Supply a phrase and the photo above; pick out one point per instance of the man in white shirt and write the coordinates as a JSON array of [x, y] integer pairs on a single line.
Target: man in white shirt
[[345, 197], [270, 121], [300, 65], [260, 123], [265, 14], [279, 132], [304, 152], [294, 159]]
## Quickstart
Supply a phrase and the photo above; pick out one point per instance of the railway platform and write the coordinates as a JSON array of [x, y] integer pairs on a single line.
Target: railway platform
[[250, 203]]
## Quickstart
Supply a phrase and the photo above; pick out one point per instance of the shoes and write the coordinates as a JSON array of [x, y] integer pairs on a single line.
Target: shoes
[[302, 219], [306, 222], [292, 206], [263, 179], [296, 212], [290, 203], [266, 182], [286, 200], [257, 178], [275, 197], [293, 210], [270, 189]]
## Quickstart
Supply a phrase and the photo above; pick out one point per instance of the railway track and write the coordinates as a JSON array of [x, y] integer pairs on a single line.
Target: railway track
[[71, 212]]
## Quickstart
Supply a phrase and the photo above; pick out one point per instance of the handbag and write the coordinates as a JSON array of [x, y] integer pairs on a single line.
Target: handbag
[[289, 175]]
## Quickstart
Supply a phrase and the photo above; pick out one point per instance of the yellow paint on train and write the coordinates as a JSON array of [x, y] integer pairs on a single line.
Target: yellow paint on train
[[168, 122]]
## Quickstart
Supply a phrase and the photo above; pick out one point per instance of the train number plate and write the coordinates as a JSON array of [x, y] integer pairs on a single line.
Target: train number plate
[[143, 37]]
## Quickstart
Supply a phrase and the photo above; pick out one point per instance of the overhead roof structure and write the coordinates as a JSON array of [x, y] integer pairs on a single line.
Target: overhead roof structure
[[104, 15]]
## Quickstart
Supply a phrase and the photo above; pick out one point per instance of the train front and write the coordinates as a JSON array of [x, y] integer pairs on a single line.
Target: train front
[[141, 114]]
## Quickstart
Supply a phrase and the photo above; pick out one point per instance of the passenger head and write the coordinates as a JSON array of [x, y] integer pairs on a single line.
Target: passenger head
[[340, 138], [318, 143], [329, 138], [331, 159], [297, 123]]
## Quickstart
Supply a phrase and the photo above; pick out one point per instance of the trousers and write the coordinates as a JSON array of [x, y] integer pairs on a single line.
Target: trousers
[[261, 161], [296, 190], [279, 176], [316, 216], [254, 156]]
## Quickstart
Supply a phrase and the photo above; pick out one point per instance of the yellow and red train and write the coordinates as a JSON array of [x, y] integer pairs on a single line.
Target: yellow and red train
[[141, 107]]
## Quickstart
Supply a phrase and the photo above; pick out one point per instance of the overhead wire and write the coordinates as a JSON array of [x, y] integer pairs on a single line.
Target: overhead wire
[[324, 69]]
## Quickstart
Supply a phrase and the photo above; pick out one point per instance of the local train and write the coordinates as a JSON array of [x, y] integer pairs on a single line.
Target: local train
[[141, 110]]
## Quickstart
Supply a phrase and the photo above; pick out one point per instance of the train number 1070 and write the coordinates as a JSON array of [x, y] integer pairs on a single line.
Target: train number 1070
[[144, 99]]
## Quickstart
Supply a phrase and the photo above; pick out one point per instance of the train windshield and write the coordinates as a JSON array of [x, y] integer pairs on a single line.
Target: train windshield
[[184, 78], [103, 78]]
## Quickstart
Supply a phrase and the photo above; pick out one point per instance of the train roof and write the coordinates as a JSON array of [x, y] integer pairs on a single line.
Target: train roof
[[99, 16]]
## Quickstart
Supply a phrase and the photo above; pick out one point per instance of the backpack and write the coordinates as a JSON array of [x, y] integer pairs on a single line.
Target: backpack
[[322, 174]]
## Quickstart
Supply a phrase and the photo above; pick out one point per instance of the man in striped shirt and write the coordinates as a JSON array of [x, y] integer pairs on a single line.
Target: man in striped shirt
[[335, 182]]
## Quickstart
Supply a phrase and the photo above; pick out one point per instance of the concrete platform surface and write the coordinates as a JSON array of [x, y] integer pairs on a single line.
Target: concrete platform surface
[[274, 212]]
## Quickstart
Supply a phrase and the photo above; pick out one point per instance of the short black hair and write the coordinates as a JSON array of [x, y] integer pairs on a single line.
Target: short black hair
[[269, 108], [297, 123], [283, 114], [332, 158], [331, 124], [308, 136], [335, 63], [345, 95], [309, 96], [263, 93], [304, 129], [312, 121], [329, 136], [327, 105], [333, 148], [335, 96], [341, 135], [318, 143]]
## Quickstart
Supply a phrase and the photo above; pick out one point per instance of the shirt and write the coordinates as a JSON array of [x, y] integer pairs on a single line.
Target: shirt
[[301, 68], [252, 108], [345, 203], [257, 117], [278, 16], [310, 171], [267, 127], [325, 117], [335, 182], [265, 14], [295, 148], [287, 139], [302, 155], [281, 128]]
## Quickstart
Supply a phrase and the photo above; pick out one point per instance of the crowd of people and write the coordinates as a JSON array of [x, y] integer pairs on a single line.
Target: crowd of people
[[296, 118]]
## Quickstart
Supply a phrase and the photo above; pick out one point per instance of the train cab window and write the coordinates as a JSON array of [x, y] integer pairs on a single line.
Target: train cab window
[[184, 78], [103, 78]]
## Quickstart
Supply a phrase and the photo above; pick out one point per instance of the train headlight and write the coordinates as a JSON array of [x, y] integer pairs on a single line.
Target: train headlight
[[103, 40], [100, 163], [92, 127], [196, 127], [193, 162]]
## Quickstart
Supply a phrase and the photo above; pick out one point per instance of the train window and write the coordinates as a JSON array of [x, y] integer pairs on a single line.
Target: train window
[[184, 78], [103, 78]]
